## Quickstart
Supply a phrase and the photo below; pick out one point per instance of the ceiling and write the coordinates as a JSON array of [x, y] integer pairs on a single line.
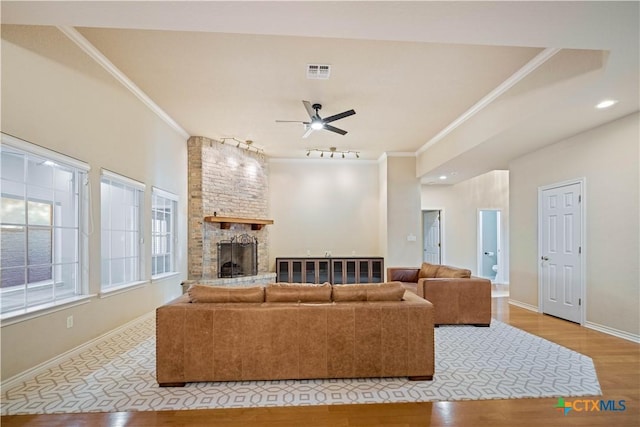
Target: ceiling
[[464, 86]]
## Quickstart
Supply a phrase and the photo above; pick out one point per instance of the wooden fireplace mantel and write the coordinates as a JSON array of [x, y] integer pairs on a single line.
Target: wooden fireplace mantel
[[225, 221]]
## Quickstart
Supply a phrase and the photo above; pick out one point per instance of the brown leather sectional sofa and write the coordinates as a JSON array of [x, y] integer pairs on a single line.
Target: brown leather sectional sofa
[[457, 297], [288, 331]]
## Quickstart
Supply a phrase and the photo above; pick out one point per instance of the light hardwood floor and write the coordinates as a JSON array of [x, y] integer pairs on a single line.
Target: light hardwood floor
[[617, 363]]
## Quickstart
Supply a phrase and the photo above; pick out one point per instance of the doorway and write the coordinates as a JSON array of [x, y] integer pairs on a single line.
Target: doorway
[[490, 244], [561, 240], [432, 236]]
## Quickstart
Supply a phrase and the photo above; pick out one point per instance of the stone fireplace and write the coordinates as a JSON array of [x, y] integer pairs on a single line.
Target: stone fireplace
[[226, 182]]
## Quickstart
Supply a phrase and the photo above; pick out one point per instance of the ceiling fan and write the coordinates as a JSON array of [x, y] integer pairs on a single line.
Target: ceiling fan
[[317, 122]]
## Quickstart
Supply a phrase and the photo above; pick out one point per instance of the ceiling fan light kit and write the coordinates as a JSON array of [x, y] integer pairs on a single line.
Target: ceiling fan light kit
[[317, 122]]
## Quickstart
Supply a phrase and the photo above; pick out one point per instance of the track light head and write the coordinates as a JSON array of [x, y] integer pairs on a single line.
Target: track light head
[[247, 145]]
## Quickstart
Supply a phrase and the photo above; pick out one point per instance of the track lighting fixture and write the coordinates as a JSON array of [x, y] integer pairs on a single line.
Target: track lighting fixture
[[245, 145], [332, 151]]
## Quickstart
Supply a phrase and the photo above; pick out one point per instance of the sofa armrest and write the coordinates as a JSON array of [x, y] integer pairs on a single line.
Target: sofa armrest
[[474, 286], [402, 274], [458, 300]]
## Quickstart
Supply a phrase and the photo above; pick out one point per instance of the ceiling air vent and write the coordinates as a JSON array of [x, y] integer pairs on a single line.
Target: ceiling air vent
[[318, 71]]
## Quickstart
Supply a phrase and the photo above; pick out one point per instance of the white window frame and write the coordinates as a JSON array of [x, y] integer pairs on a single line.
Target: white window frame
[[80, 195], [170, 233], [107, 232]]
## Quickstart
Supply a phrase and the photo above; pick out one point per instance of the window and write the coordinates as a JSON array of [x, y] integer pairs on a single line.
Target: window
[[164, 208], [43, 221], [121, 235]]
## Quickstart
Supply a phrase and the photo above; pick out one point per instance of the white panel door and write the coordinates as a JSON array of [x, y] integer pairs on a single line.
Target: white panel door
[[560, 251], [431, 227]]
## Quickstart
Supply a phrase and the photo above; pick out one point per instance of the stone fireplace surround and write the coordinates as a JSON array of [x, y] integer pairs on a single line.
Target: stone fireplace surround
[[225, 181]]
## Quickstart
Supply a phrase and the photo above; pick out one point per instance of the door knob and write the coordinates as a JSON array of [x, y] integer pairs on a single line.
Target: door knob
[[544, 258]]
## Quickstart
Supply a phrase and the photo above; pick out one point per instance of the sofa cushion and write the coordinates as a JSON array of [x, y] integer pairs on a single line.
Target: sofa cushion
[[428, 270], [298, 292], [205, 293], [453, 272], [390, 291]]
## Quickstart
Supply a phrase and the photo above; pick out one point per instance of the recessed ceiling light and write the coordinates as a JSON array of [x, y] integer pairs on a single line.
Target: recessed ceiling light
[[606, 103], [443, 176]]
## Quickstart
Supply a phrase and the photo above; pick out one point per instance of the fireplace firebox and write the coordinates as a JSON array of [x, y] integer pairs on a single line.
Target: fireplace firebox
[[238, 256]]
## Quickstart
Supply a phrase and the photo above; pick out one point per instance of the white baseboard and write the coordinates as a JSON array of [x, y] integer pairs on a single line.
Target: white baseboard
[[595, 326], [612, 331], [500, 283], [523, 305], [32, 372]]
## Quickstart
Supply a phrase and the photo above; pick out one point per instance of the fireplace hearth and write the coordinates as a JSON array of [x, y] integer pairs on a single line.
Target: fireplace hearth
[[238, 257]]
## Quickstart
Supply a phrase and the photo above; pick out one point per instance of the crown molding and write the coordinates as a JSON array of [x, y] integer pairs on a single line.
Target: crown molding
[[102, 60], [516, 77], [400, 154]]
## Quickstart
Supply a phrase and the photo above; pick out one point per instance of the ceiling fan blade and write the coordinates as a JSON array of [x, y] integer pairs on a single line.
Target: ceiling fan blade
[[308, 132], [309, 108], [335, 129], [338, 116]]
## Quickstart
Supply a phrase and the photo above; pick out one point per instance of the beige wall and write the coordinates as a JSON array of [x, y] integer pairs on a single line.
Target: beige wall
[[350, 208], [607, 157], [323, 205], [55, 96], [382, 207], [402, 213], [460, 204]]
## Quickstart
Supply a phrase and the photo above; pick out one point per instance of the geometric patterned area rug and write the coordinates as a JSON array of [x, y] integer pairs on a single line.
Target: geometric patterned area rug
[[118, 374]]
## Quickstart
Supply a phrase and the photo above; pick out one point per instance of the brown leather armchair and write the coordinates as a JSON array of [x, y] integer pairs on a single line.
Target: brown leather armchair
[[456, 300]]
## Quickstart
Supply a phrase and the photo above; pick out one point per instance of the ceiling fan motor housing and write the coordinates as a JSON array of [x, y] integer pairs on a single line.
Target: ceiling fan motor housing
[[318, 123]]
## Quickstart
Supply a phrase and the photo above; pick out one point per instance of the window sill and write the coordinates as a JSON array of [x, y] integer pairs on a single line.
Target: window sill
[[164, 276], [18, 316], [116, 290]]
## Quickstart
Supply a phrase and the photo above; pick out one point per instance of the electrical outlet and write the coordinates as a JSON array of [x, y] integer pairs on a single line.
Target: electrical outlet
[[69, 322]]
